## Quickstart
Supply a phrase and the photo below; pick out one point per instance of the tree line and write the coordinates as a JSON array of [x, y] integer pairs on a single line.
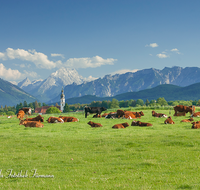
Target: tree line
[[12, 110]]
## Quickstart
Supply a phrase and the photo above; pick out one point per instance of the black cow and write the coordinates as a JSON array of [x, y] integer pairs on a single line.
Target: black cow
[[96, 110]]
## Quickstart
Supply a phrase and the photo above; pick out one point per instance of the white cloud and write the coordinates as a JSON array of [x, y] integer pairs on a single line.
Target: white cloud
[[175, 50], [39, 59], [57, 55], [124, 71], [9, 74], [85, 62], [162, 55], [90, 78], [153, 45]]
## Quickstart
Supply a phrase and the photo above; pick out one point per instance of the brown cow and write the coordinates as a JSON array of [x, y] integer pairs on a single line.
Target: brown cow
[[26, 110], [92, 124], [169, 121], [141, 124], [68, 119], [196, 114], [20, 114], [37, 118], [187, 120], [120, 113], [196, 125], [97, 116], [55, 120], [158, 114], [181, 108], [138, 113], [31, 124], [129, 115], [121, 125], [180, 114]]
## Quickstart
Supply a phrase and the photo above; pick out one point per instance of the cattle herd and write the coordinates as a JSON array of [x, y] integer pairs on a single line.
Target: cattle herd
[[180, 110]]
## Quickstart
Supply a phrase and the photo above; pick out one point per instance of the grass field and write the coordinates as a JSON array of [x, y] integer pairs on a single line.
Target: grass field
[[76, 156]]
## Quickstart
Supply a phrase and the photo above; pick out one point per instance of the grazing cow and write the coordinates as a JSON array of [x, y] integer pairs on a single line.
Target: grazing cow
[[26, 110], [20, 114], [120, 126], [55, 120], [187, 120], [69, 119], [92, 124], [180, 114], [37, 118], [196, 125], [181, 108], [141, 124], [196, 114], [169, 121], [96, 110], [31, 124], [158, 114]]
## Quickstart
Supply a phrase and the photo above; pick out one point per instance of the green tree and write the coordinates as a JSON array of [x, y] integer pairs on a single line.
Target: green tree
[[66, 108], [147, 102], [25, 104], [114, 103], [35, 104], [162, 101], [140, 102], [53, 110]]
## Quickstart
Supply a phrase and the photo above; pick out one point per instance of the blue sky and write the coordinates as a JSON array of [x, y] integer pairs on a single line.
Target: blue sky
[[96, 37]]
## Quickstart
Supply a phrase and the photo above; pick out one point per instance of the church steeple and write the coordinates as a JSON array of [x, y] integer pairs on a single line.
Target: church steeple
[[62, 100]]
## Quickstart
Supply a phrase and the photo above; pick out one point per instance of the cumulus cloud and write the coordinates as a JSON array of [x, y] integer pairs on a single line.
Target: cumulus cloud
[[9, 74], [39, 59], [162, 55], [153, 45], [85, 62], [90, 78], [175, 50], [124, 71], [57, 55]]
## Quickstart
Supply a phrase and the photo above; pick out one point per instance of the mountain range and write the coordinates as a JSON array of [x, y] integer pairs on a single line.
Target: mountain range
[[169, 91], [112, 85], [109, 86], [11, 94]]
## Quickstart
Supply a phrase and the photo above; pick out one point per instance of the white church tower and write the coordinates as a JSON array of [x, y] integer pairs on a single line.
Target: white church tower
[[62, 100]]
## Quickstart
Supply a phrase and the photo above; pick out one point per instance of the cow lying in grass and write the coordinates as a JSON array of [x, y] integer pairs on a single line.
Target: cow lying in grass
[[196, 114], [92, 124], [111, 115], [55, 120], [37, 118], [120, 126], [129, 114], [187, 120], [169, 120], [31, 124], [68, 119], [196, 125], [154, 114], [141, 124]]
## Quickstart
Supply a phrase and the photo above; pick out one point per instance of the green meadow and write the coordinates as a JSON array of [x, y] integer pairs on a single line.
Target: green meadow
[[77, 156]]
